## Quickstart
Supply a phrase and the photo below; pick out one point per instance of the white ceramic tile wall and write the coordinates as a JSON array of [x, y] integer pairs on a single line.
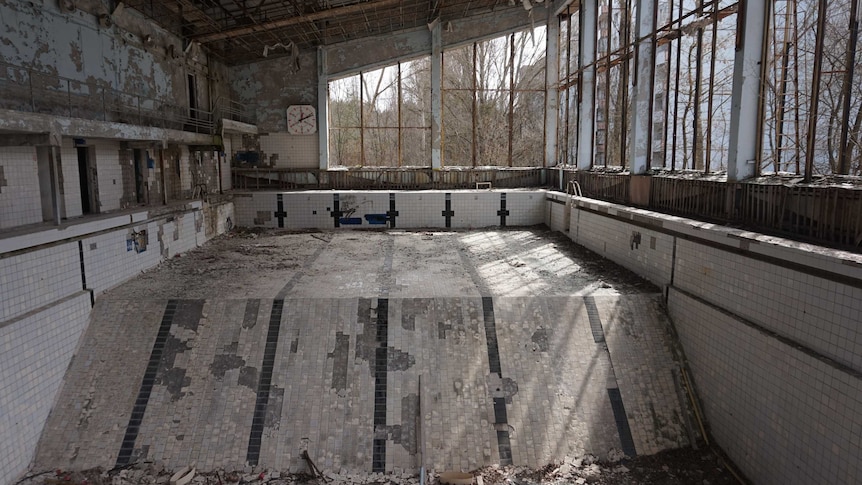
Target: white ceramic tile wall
[[821, 313], [71, 180], [37, 278], [109, 172], [476, 209], [185, 170], [617, 241], [20, 200], [293, 151], [783, 416], [226, 179], [416, 209], [525, 208], [420, 209], [44, 310], [107, 261], [555, 214], [34, 353]]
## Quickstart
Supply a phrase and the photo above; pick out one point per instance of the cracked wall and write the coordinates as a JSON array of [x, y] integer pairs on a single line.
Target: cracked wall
[[272, 85], [43, 44]]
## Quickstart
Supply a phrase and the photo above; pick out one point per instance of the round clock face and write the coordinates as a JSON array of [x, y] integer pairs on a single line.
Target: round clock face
[[301, 119]]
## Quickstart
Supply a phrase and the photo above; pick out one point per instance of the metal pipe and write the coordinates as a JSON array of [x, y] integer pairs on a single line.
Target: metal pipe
[[849, 65]]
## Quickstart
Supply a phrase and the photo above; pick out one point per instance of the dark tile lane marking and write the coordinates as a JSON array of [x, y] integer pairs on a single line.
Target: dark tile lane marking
[[448, 213], [149, 380], [265, 383], [280, 214], [500, 415], [614, 395], [378, 452], [309, 262], [595, 319], [622, 421]]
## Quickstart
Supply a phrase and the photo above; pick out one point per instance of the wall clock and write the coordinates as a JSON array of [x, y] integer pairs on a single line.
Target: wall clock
[[301, 119]]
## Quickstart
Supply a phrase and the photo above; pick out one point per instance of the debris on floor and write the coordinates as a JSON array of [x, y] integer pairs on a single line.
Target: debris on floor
[[673, 467]]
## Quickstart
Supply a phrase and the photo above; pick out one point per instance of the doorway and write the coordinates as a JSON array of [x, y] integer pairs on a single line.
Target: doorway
[[87, 180], [84, 180], [193, 97], [138, 163]]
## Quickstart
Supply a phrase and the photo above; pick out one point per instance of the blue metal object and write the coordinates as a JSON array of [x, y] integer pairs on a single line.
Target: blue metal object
[[350, 220], [376, 218]]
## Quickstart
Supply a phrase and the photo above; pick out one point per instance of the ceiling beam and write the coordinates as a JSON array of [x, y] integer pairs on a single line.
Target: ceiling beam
[[28, 140], [287, 22], [190, 12]]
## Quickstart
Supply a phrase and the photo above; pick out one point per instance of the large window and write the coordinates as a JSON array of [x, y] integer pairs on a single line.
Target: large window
[[493, 109], [494, 101], [382, 118]]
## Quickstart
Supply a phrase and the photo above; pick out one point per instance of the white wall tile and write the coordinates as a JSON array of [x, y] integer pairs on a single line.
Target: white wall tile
[[782, 415], [416, 209], [290, 151], [34, 354], [20, 199], [109, 172], [36, 278], [71, 178]]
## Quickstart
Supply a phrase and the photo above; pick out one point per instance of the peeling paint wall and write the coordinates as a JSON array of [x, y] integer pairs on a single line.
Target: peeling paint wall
[[272, 85], [132, 55], [283, 150]]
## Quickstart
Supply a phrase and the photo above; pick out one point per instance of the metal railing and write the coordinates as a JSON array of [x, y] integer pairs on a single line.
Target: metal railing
[[268, 178], [26, 89], [233, 110], [827, 213]]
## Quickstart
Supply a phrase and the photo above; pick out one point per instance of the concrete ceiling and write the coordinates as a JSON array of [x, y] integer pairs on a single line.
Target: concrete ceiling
[[239, 31]]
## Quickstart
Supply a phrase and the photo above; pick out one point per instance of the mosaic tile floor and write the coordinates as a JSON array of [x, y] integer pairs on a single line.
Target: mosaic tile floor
[[527, 353]]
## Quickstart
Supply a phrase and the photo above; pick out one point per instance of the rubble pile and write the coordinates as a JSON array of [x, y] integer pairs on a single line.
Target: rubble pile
[[675, 467]]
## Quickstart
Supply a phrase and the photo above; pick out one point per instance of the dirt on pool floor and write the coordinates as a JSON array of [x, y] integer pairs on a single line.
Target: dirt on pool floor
[[672, 467], [244, 264], [240, 263]]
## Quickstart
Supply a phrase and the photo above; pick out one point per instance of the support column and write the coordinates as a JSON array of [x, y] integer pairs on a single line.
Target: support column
[[552, 93], [641, 154], [745, 104], [162, 173], [436, 95], [322, 109], [587, 106], [54, 170]]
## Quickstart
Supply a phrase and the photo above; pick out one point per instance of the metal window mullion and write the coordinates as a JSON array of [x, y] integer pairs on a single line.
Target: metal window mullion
[[474, 146], [698, 73], [400, 155], [711, 91], [361, 119], [624, 81], [568, 89], [511, 120], [676, 95]]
